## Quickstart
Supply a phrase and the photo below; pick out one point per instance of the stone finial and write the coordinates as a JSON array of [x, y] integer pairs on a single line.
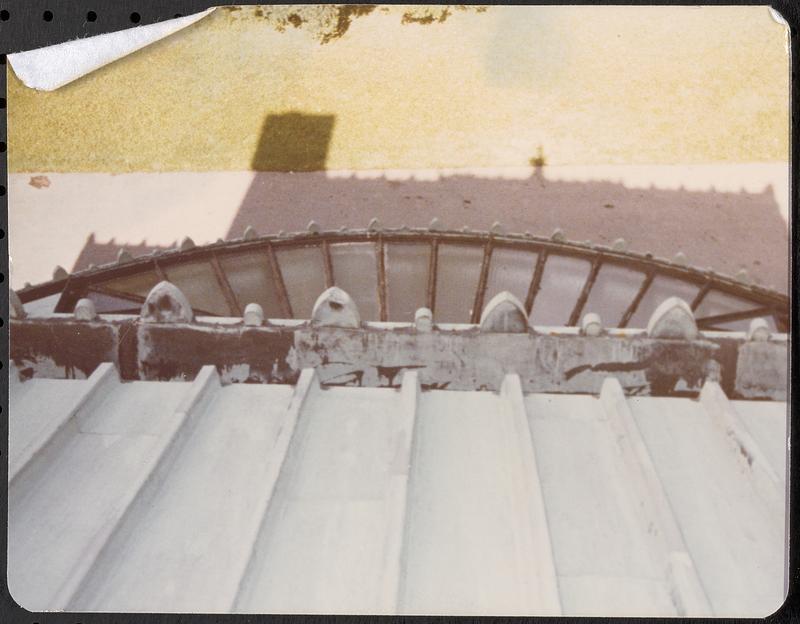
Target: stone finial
[[423, 320], [681, 259], [465, 228], [15, 308], [85, 310], [619, 245], [335, 308], [253, 315], [558, 235], [504, 314], [591, 325], [743, 276], [250, 233], [165, 303], [219, 241], [497, 228], [435, 225], [123, 255], [313, 227], [60, 273], [374, 225], [528, 234], [759, 330], [186, 244], [672, 319]]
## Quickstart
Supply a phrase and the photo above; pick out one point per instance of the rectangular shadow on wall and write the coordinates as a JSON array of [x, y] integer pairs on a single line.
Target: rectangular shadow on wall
[[294, 142]]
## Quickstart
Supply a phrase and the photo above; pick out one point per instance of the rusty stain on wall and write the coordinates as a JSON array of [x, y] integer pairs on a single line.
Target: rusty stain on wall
[[458, 360], [68, 351]]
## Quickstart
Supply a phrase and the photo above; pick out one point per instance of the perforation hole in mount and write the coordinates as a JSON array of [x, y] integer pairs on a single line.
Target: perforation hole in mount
[[2, 190], [136, 18], [4, 15], [91, 16], [2, 146], [47, 16], [2, 102]]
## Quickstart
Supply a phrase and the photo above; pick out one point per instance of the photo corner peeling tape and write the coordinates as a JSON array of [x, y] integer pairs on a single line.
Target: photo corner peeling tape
[[51, 67]]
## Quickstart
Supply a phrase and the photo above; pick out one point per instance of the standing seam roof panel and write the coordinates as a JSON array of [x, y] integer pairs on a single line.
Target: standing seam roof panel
[[173, 496]]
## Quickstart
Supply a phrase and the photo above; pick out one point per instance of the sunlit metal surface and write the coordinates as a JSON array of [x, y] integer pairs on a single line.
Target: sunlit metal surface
[[196, 496]]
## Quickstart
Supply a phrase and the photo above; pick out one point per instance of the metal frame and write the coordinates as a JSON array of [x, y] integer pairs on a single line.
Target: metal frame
[[712, 322], [480, 292], [536, 280], [764, 301], [227, 291], [433, 262], [382, 296], [327, 264], [701, 294], [280, 285], [574, 317], [631, 310]]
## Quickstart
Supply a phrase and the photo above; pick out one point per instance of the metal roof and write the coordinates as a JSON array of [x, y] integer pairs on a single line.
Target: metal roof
[[203, 497]]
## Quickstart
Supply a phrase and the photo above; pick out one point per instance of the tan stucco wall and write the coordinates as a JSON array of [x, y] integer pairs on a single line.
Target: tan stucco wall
[[587, 84]]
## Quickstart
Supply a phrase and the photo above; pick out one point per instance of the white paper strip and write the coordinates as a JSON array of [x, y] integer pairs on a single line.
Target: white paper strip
[[54, 66]]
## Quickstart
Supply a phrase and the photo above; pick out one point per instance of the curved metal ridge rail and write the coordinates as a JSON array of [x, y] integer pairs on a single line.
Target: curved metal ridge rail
[[765, 301]]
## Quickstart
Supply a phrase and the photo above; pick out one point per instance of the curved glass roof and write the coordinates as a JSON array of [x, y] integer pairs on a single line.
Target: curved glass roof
[[392, 273]]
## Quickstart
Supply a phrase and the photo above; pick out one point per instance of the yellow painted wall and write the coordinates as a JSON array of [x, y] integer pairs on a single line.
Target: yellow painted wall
[[588, 84]]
